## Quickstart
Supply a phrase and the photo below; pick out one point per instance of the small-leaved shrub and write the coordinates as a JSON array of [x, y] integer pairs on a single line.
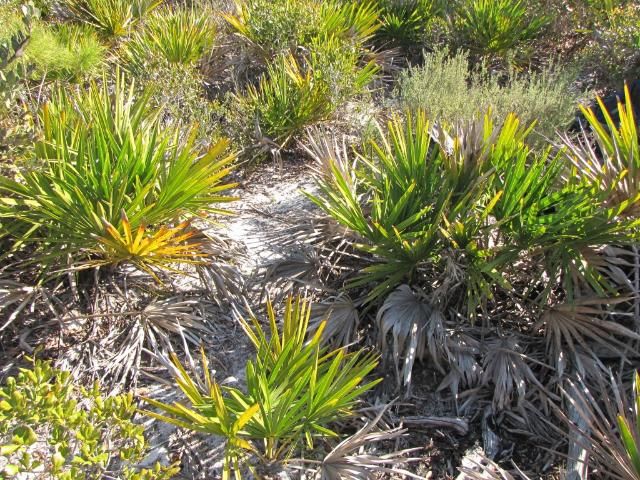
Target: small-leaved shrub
[[51, 429], [275, 27], [450, 91], [285, 26], [179, 91], [613, 53], [295, 389]]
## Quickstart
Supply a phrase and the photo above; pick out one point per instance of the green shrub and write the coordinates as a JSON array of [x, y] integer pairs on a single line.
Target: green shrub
[[602, 8], [50, 427], [179, 92], [613, 53], [313, 66], [295, 389], [107, 164], [449, 91], [172, 35], [283, 26], [494, 27], [341, 67], [15, 127], [65, 51], [276, 27], [112, 18]]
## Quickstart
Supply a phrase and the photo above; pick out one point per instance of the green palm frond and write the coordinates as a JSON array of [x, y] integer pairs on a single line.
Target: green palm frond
[[295, 389], [124, 162]]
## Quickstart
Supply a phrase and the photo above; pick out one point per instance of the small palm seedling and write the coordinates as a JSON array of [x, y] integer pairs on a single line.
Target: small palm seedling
[[177, 36], [295, 389], [493, 27], [47, 425], [125, 162], [112, 18]]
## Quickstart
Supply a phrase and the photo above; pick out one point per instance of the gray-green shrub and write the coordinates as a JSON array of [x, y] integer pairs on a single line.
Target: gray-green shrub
[[449, 91]]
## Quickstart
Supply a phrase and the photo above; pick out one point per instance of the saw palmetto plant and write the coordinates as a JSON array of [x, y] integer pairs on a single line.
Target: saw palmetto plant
[[404, 24], [125, 162], [608, 154], [493, 27], [169, 245], [414, 198], [112, 18], [289, 98], [295, 388], [177, 36], [456, 213]]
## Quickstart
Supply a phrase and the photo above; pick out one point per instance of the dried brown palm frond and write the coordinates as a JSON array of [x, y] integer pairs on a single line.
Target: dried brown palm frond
[[349, 460], [127, 330], [342, 319], [300, 268], [505, 367], [172, 316], [329, 153], [466, 147], [14, 298], [309, 249], [618, 264], [415, 325], [531, 419], [220, 274], [310, 229], [610, 418], [482, 468], [582, 324], [462, 354]]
